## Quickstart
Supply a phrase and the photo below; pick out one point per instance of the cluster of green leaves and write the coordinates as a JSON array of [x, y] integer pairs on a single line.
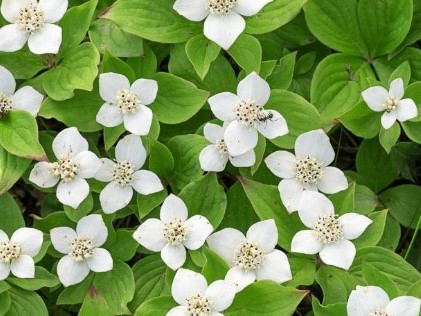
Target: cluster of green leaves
[[316, 55]]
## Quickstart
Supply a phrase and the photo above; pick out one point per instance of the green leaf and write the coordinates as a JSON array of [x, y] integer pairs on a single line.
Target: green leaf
[[201, 52], [300, 115], [146, 203], [305, 63], [328, 310], [185, 150], [161, 160], [11, 216], [389, 263], [337, 84], [124, 246], [303, 269], [404, 203], [266, 298], [75, 23], [22, 64], [26, 302], [389, 137], [116, 65], [212, 203], [43, 278], [267, 205], [79, 111], [403, 71], [374, 165], [391, 239], [362, 121], [403, 157], [107, 36], [83, 209], [153, 20], [247, 53], [75, 294], [412, 130], [112, 134], [6, 301], [19, 135], [283, 73], [177, 99], [56, 219], [215, 267], [94, 304], [336, 284], [374, 231], [77, 70], [273, 16], [149, 274], [259, 152], [375, 277], [122, 290], [11, 169], [145, 65], [157, 306]]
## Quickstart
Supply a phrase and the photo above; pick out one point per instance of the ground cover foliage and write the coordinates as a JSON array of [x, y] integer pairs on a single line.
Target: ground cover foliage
[[208, 157]]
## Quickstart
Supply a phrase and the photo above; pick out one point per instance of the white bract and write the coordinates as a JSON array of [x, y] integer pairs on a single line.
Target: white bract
[[307, 169], [329, 235], [173, 232], [75, 163], [224, 22], [374, 301], [395, 108], [251, 257], [17, 252], [190, 289], [215, 157], [81, 249], [124, 175], [31, 22], [126, 104], [246, 116], [25, 99]]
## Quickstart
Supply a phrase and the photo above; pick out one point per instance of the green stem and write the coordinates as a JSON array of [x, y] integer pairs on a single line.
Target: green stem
[[417, 228]]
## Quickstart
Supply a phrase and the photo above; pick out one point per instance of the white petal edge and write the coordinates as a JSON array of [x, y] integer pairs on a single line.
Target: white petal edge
[[406, 110], [4, 270], [105, 172], [7, 81], [375, 97], [93, 226], [145, 89], [312, 206], [41, 176], [150, 234], [46, 40], [306, 241], [366, 299], [333, 180], [173, 256], [247, 159], [264, 233], [213, 132], [339, 254], [130, 148], [240, 277], [53, 9], [69, 140], [23, 267], [354, 225], [225, 242], [146, 182], [275, 268], [282, 164], [100, 261], [222, 294], [389, 118], [254, 87], [72, 193], [27, 99], [198, 229], [139, 123], [222, 105], [396, 89], [404, 305], [273, 127], [211, 159], [110, 84], [224, 29], [315, 144], [71, 272], [249, 8], [193, 10], [89, 164], [61, 238], [115, 197], [173, 207], [109, 115], [187, 283], [240, 139], [29, 239], [12, 38], [291, 191]]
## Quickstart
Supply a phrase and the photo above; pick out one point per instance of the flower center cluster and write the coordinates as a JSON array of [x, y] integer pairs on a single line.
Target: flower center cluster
[[198, 305], [175, 232], [248, 256], [9, 251], [379, 313], [127, 101], [30, 18], [5, 104], [248, 112], [81, 248], [222, 147], [66, 168], [329, 229], [220, 6], [391, 104], [308, 170], [123, 173]]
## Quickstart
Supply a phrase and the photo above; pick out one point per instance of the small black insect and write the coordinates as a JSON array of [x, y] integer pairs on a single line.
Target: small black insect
[[265, 117]]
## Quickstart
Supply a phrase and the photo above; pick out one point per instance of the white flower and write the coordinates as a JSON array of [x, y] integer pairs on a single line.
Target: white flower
[[25, 99], [124, 176], [81, 249], [173, 233], [251, 257], [307, 169], [195, 297], [16, 254], [223, 22], [245, 114], [32, 21], [379, 99], [126, 104], [329, 235], [75, 164], [215, 157], [373, 301]]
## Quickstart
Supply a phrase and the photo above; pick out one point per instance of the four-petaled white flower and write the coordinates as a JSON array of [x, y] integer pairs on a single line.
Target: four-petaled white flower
[[173, 233], [81, 249], [379, 99], [223, 22], [245, 114], [75, 164], [32, 21], [215, 157], [374, 301], [26, 98], [16, 254], [307, 169], [329, 235], [126, 104], [190, 289], [251, 257], [124, 176]]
